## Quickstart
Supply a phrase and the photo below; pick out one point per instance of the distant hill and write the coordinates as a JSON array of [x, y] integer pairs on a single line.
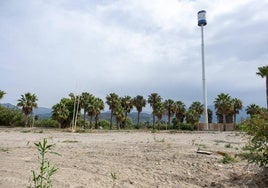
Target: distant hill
[[40, 111]]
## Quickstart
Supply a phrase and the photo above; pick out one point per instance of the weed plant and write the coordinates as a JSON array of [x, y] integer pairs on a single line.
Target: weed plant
[[43, 178]]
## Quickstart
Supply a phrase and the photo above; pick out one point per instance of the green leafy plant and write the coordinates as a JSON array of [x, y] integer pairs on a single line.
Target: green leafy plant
[[43, 179], [114, 177], [257, 148]]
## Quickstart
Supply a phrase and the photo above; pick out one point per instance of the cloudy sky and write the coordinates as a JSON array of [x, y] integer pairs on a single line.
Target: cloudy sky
[[132, 47]]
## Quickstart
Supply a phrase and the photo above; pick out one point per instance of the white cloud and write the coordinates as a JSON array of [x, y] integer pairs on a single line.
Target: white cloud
[[56, 47]]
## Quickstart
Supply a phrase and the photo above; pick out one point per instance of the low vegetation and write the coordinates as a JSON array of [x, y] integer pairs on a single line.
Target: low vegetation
[[257, 129], [43, 178]]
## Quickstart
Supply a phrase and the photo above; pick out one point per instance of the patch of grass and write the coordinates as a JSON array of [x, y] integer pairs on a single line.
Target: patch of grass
[[25, 131], [41, 131], [70, 141], [114, 177], [228, 145], [153, 131], [228, 159], [201, 145], [3, 150], [159, 140]]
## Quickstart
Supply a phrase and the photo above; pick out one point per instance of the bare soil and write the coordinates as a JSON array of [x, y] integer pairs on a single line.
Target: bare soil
[[128, 159]]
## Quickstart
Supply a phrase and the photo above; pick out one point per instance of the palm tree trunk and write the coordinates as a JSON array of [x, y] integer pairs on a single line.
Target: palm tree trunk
[[267, 91], [224, 122], [84, 118], [153, 120], [90, 124], [138, 117], [234, 121], [111, 119], [158, 122], [26, 120], [169, 119], [96, 121]]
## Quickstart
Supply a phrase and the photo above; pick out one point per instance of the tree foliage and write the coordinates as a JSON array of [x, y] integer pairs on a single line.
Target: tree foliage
[[139, 102], [27, 102], [2, 93], [257, 127], [263, 72], [11, 117]]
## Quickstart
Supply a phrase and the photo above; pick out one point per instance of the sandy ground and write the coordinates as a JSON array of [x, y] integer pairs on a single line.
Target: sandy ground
[[137, 159]]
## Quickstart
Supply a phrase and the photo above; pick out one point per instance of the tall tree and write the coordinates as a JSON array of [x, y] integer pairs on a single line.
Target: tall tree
[[210, 115], [253, 110], [119, 115], [127, 104], [113, 101], [86, 102], [198, 107], [2, 93], [237, 106], [153, 99], [263, 72], [192, 117], [180, 112], [170, 108], [139, 102], [60, 113], [223, 105], [98, 106], [158, 112], [28, 102]]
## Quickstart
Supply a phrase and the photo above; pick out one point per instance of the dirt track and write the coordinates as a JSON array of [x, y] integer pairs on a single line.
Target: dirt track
[[137, 159]]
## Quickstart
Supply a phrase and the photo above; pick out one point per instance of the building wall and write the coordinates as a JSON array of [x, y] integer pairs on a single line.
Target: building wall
[[216, 126]]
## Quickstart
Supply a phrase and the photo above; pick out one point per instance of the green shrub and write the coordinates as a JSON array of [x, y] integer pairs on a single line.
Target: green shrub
[[48, 123], [104, 124], [11, 117], [257, 148], [189, 127]]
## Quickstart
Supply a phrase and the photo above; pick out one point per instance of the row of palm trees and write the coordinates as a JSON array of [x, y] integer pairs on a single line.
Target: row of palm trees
[[68, 109]]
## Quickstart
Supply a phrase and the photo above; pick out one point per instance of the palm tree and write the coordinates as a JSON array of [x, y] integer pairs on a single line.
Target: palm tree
[[158, 112], [127, 104], [28, 102], [86, 102], [153, 99], [192, 117], [170, 108], [223, 105], [237, 106], [119, 115], [253, 110], [139, 102], [98, 106], [263, 72], [60, 113], [180, 111], [210, 115], [198, 107], [113, 101], [2, 93]]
